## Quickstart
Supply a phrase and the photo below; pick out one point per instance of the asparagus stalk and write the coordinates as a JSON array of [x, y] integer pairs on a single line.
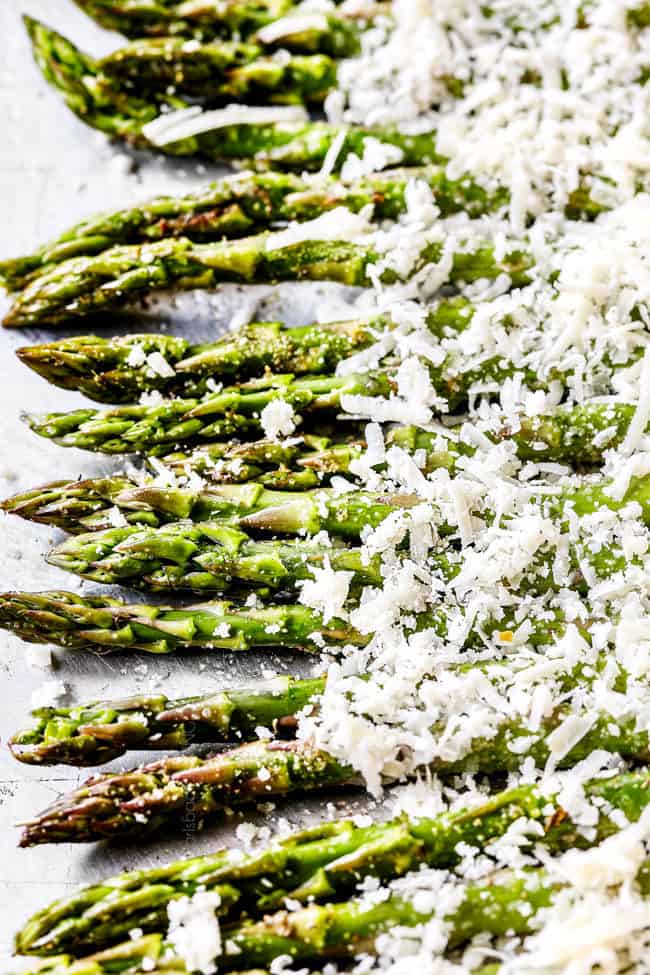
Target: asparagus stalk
[[217, 19], [86, 285], [103, 624], [106, 806], [98, 732], [570, 434], [247, 202], [347, 515], [91, 505], [95, 504], [148, 953], [157, 430], [325, 862], [74, 74], [504, 905], [292, 143], [236, 205], [121, 368], [215, 461], [166, 792], [220, 71], [212, 556], [204, 557]]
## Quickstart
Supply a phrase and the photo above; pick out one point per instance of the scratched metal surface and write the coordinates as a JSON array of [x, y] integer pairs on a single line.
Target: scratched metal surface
[[53, 171]]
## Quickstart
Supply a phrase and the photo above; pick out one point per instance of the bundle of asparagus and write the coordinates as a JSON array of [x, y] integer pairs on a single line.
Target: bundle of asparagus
[[326, 861], [536, 660], [275, 138], [238, 205], [506, 904]]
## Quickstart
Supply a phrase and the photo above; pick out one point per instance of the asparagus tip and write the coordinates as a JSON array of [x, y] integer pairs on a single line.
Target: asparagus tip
[[276, 518]]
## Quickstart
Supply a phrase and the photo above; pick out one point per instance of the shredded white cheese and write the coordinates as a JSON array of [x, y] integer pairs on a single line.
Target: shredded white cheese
[[194, 931], [278, 419], [187, 122]]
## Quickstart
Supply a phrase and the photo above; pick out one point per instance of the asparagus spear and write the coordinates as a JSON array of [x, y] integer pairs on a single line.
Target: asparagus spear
[[103, 623], [139, 954], [504, 905], [157, 430], [74, 74], [217, 19], [290, 143], [316, 864], [103, 730], [120, 369], [507, 904], [218, 462], [571, 434], [137, 801], [106, 805], [212, 556], [220, 71], [95, 504], [86, 505], [347, 515], [91, 505], [208, 556], [241, 204], [86, 285]]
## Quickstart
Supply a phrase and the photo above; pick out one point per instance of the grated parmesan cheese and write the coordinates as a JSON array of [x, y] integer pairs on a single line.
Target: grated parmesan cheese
[[194, 931], [337, 224], [187, 122], [278, 419]]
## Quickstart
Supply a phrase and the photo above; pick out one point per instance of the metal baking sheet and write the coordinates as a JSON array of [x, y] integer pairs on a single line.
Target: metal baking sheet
[[54, 171]]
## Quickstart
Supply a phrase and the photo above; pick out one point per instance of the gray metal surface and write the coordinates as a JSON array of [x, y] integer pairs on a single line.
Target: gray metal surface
[[53, 171]]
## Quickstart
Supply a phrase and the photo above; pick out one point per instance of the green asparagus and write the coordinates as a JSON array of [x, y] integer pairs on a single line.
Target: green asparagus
[[571, 434], [204, 557], [292, 143], [506, 904], [86, 285], [159, 429], [92, 505], [348, 515], [242, 204], [120, 369], [98, 732], [103, 623], [167, 792], [106, 806], [220, 71], [147, 951], [161, 18], [220, 462], [502, 906], [325, 862], [96, 504]]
